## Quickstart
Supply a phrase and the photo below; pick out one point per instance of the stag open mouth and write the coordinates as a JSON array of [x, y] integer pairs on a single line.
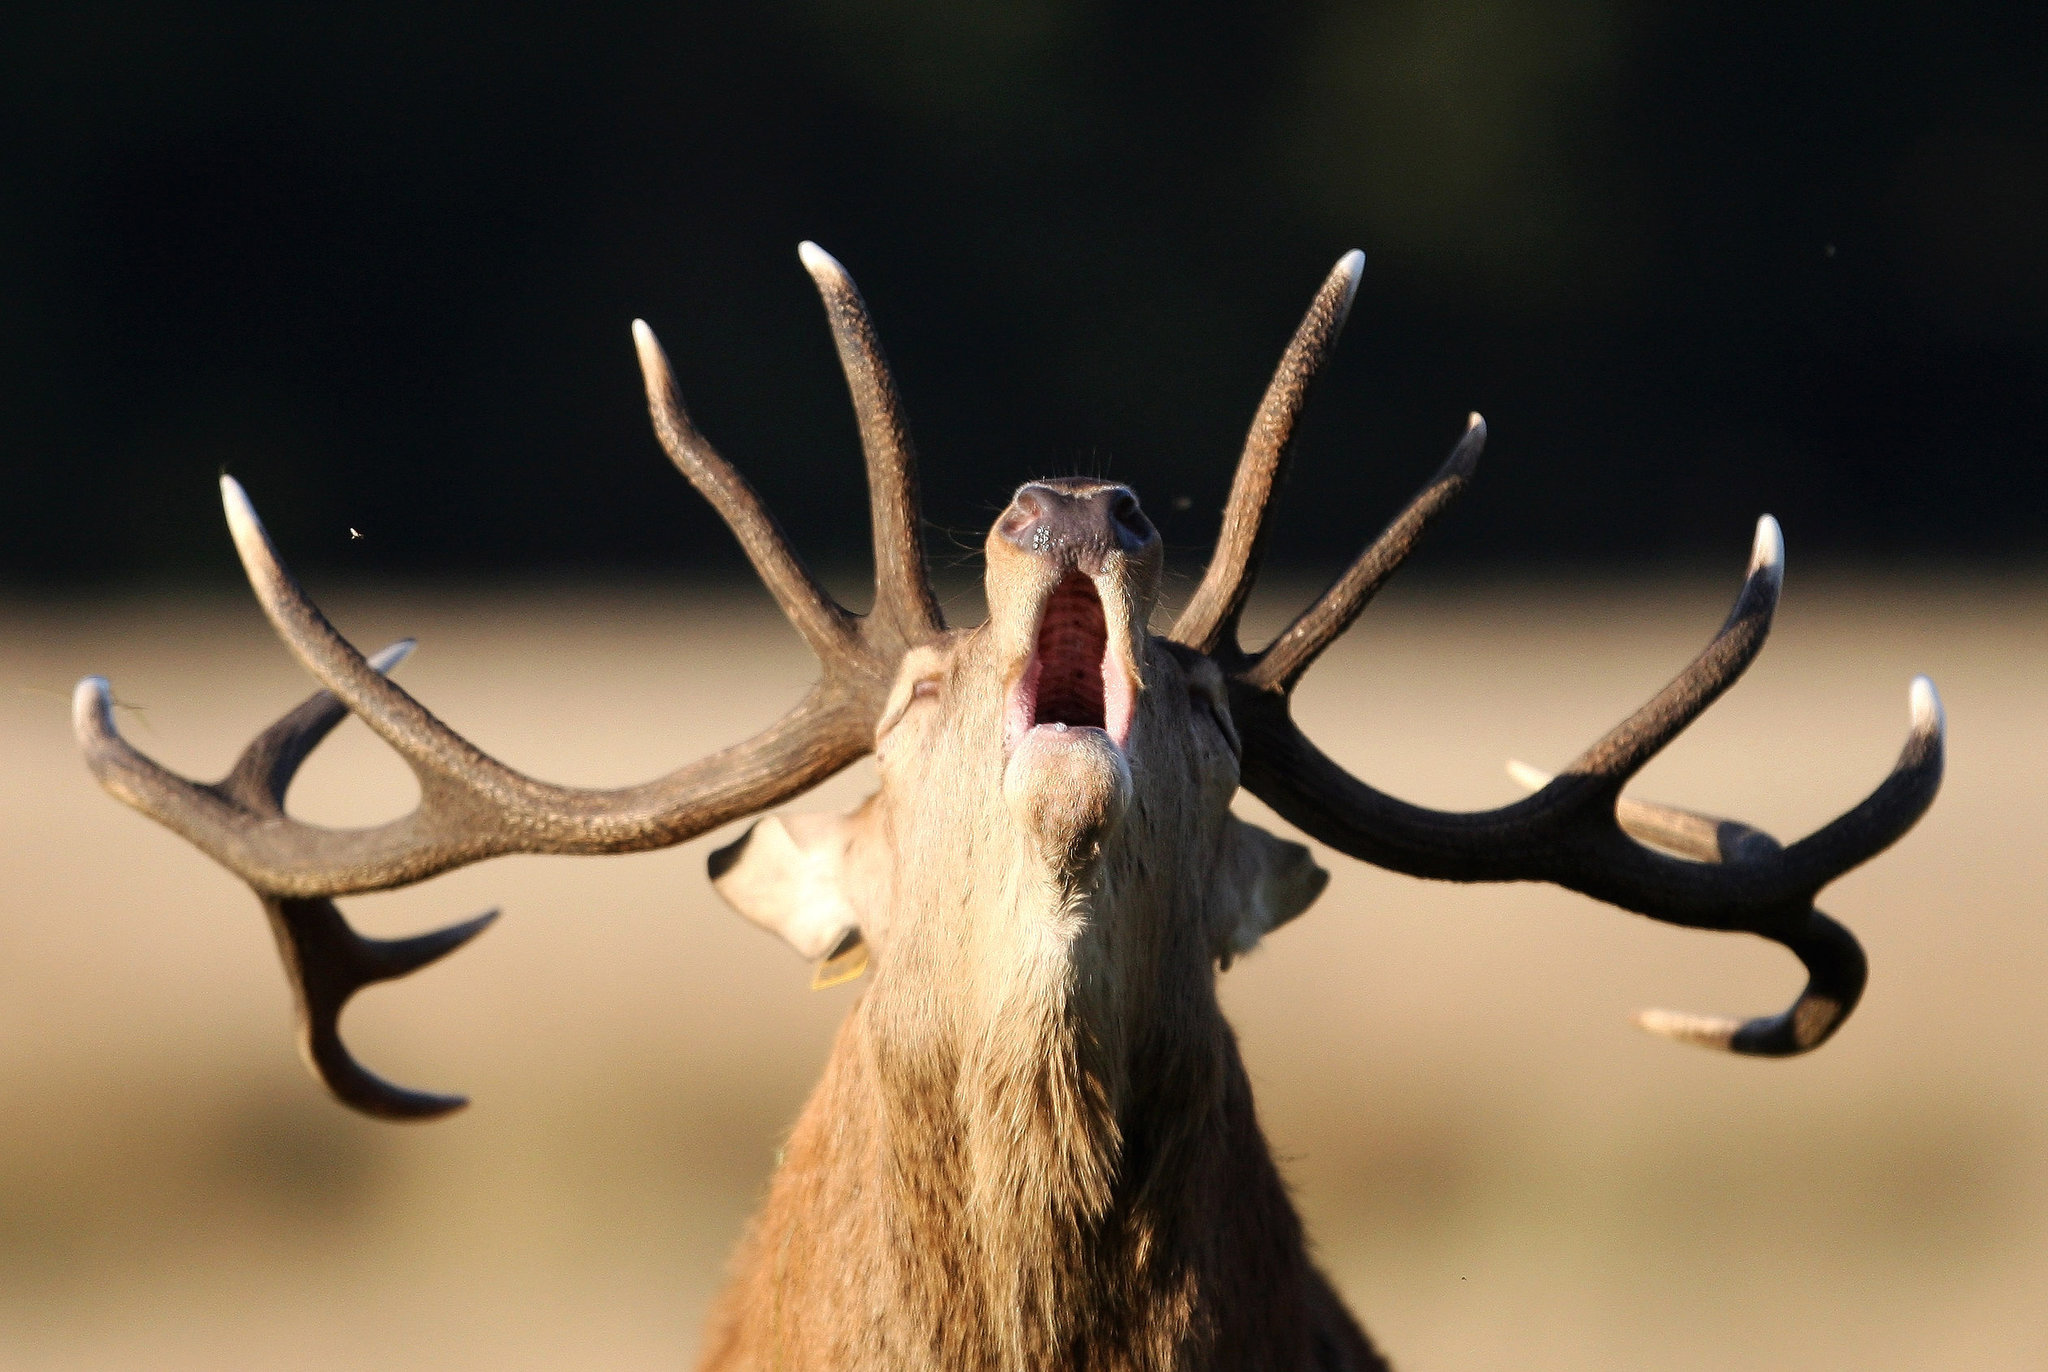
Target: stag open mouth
[[1072, 680]]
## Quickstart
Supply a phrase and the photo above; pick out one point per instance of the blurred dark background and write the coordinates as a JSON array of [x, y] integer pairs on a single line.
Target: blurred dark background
[[1694, 262]]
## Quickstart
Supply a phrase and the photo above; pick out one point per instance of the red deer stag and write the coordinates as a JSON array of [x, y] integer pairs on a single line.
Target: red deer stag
[[1034, 1144]]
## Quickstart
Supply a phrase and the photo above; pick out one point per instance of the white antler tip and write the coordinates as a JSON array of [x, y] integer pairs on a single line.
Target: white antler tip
[[1464, 458], [252, 543], [385, 659], [1350, 269], [1768, 552], [817, 261], [92, 707], [1708, 1031], [1925, 701], [242, 520], [652, 358]]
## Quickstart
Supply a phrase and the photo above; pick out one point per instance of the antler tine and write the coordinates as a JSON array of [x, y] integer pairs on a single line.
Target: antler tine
[[199, 814], [396, 717], [211, 816], [327, 962], [1283, 663], [1836, 972], [903, 591], [1889, 811], [1211, 616], [1687, 833], [1630, 745], [825, 626]]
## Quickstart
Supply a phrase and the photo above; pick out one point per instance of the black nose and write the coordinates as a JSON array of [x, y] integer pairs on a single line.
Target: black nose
[[1076, 519]]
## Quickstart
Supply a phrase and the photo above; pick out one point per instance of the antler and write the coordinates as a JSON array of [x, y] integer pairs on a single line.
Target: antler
[[1576, 830], [474, 807]]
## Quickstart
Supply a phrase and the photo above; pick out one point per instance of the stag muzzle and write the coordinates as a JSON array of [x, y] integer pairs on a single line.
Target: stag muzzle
[[1073, 569], [1080, 523]]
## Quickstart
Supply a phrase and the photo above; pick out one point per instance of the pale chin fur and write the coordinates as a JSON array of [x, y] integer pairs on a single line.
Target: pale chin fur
[[1066, 786]]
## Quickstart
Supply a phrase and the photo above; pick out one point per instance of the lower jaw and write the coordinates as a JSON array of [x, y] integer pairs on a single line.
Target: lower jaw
[[1066, 785]]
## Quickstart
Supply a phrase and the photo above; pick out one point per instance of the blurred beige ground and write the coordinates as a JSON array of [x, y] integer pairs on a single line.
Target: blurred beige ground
[[1497, 1168]]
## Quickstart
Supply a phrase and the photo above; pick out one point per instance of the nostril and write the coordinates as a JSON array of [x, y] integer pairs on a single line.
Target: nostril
[[1027, 510], [1133, 530]]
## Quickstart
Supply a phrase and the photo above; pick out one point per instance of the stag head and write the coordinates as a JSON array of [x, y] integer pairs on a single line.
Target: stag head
[[1055, 784], [1054, 807]]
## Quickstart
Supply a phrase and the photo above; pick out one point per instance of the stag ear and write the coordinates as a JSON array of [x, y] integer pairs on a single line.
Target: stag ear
[[787, 874], [1265, 882]]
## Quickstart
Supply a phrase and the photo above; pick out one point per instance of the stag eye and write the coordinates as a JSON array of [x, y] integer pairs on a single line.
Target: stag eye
[[903, 698]]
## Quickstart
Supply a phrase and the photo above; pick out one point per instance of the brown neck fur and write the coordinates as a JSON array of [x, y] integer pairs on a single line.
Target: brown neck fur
[[1052, 1171]]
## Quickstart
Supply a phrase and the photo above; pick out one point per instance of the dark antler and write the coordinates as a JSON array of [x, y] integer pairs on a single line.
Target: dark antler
[[474, 807], [1576, 830]]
